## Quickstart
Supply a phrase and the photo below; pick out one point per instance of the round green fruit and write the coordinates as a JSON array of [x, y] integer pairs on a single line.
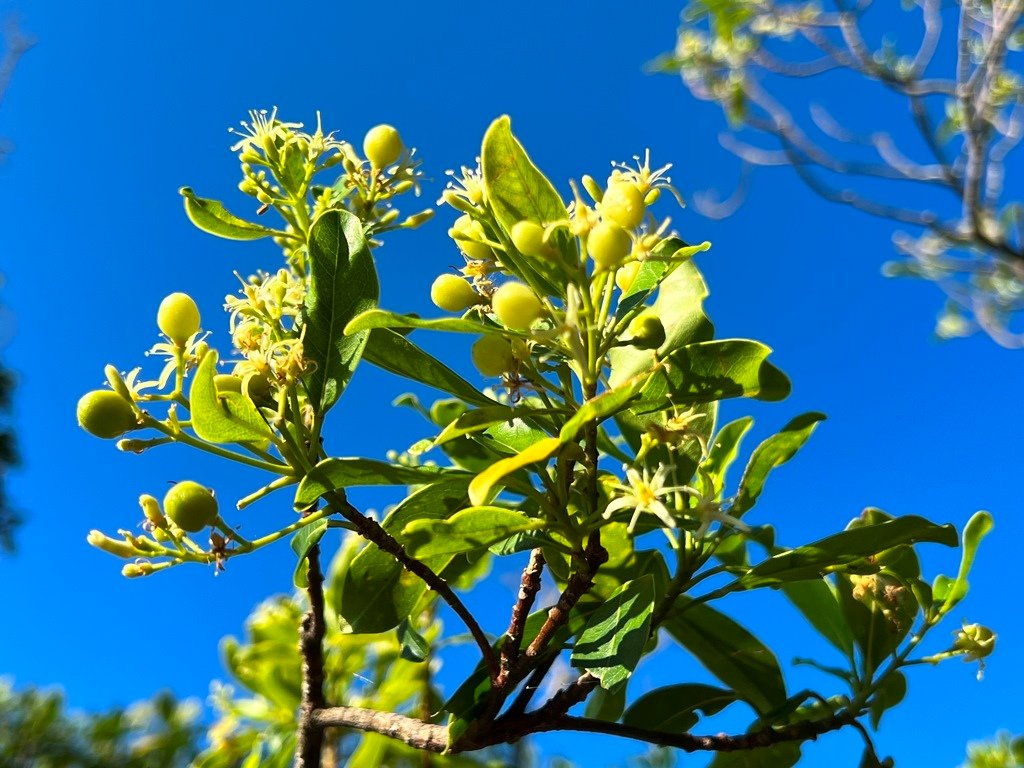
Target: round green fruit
[[382, 145], [105, 414], [623, 204], [190, 506], [608, 245], [647, 331], [528, 238], [492, 355], [452, 293], [474, 233], [178, 318], [516, 305]]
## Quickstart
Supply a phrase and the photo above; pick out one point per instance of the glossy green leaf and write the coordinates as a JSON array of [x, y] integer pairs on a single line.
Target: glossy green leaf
[[518, 191], [342, 284], [485, 482], [773, 452], [976, 529], [616, 634], [889, 694], [472, 323], [606, 705], [470, 530], [669, 255], [714, 370], [599, 408], [680, 307], [376, 592], [730, 653], [482, 419], [512, 436], [415, 648], [222, 417], [674, 708], [849, 546], [393, 352], [335, 473], [303, 541], [816, 600], [211, 216], [722, 451]]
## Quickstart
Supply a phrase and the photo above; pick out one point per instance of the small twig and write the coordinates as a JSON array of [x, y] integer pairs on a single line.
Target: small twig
[[533, 683], [529, 586], [310, 738], [415, 733], [372, 531]]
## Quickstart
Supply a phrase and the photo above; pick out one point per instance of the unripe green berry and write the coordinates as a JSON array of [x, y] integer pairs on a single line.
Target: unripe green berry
[[623, 203], [516, 305], [190, 506], [382, 145], [608, 245], [492, 355], [646, 331], [227, 382], [528, 238], [105, 414], [473, 232], [452, 293], [626, 276], [178, 318]]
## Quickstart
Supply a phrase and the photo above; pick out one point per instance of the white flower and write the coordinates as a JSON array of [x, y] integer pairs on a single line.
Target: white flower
[[643, 494]]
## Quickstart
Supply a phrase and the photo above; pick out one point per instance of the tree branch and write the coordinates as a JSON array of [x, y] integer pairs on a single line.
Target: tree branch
[[372, 531], [529, 586], [310, 738]]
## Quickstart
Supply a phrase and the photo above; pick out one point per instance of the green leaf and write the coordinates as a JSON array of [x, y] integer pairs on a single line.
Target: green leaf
[[730, 653], [773, 452], [599, 408], [846, 547], [303, 541], [466, 531], [342, 283], [669, 255], [714, 370], [518, 191], [482, 419], [223, 417], [976, 529], [393, 352], [606, 705], [484, 483], [674, 707], [211, 216], [617, 633], [335, 473], [723, 451], [817, 601], [415, 648], [889, 694], [512, 436], [680, 307], [376, 592], [381, 318]]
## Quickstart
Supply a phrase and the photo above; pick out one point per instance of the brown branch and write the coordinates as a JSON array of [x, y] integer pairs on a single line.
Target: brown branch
[[372, 531], [310, 738], [415, 733], [529, 586]]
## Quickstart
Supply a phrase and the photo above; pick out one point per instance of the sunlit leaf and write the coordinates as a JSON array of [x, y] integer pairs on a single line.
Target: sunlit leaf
[[617, 633], [222, 417], [469, 530], [211, 216]]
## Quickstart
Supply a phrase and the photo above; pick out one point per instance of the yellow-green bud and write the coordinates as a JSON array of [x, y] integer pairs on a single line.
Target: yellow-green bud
[[528, 238], [608, 245], [134, 570], [382, 146], [646, 331], [105, 414], [516, 305], [453, 294], [178, 317], [975, 641], [468, 234], [117, 383], [151, 509], [626, 275], [116, 547], [593, 188], [623, 203]]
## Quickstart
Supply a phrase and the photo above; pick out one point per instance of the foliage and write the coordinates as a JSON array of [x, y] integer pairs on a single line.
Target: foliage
[[1001, 752], [594, 448], [764, 61], [37, 732]]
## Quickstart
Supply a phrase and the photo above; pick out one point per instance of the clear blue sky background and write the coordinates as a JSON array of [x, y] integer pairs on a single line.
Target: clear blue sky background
[[122, 103]]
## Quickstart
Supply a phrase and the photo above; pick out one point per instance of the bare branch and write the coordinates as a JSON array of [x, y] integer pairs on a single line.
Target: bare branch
[[310, 736], [529, 586]]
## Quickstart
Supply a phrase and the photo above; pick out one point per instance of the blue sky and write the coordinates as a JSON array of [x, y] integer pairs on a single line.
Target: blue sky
[[121, 104]]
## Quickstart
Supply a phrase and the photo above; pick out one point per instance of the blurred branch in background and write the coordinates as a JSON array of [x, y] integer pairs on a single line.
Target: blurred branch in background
[[15, 46], [766, 62]]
